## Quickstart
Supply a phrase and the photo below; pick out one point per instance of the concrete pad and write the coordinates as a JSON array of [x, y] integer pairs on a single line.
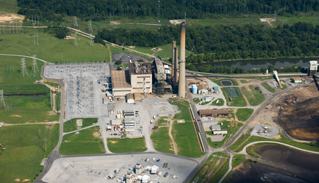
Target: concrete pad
[[97, 168]]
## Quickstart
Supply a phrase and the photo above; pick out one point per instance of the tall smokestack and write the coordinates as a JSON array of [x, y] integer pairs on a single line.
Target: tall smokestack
[[181, 84], [173, 59], [176, 66]]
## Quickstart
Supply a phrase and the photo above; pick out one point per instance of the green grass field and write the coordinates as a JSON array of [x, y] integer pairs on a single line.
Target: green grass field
[[51, 48], [243, 81], [237, 159], [231, 130], [71, 124], [221, 102], [58, 100], [253, 96], [25, 109], [217, 81], [307, 146], [196, 100], [11, 80], [161, 140], [181, 101], [126, 145], [8, 6], [236, 101], [269, 88], [205, 103], [184, 114], [83, 143], [25, 149], [244, 113], [211, 165], [241, 140], [186, 139]]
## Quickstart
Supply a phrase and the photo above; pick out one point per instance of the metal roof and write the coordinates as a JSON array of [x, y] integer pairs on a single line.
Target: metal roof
[[119, 79]]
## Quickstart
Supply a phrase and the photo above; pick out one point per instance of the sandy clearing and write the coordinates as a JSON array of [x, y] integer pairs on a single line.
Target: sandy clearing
[[11, 17]]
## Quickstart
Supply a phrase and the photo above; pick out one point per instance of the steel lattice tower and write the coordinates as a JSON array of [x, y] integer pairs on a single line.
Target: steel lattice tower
[[34, 65], [75, 40], [91, 42], [90, 27], [23, 68], [2, 99], [75, 22]]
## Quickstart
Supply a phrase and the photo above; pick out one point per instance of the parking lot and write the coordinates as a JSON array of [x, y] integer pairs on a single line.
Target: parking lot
[[98, 168]]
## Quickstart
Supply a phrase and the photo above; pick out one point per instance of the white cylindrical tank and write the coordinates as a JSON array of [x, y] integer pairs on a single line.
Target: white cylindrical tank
[[194, 89]]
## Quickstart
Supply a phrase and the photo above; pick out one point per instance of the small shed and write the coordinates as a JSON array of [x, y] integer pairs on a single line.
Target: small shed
[[79, 122], [154, 169], [296, 80], [219, 132], [207, 99], [215, 88], [130, 98]]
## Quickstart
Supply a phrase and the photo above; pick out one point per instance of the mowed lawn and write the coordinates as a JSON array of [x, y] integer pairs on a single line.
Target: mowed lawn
[[25, 109], [244, 113], [254, 97], [160, 138], [126, 145], [268, 87], [184, 134], [217, 81], [51, 48], [86, 142], [71, 124], [11, 80], [25, 149], [236, 101]]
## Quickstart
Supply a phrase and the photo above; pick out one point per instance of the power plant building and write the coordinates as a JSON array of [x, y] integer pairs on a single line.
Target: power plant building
[[181, 84], [312, 67], [120, 84], [141, 77]]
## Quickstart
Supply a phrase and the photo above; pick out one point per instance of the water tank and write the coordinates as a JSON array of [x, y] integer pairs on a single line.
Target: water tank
[[194, 89]]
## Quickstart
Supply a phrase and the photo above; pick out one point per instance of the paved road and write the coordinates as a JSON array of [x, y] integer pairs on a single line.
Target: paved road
[[274, 142]]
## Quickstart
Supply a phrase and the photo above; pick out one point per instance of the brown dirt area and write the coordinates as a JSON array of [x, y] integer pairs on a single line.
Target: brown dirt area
[[299, 113], [159, 49], [96, 134], [180, 121], [116, 22], [11, 17], [113, 142], [15, 116]]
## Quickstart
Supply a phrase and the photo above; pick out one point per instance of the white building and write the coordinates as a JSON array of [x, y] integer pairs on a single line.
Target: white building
[[130, 98], [154, 169], [312, 67], [207, 99], [215, 127], [202, 89], [219, 132]]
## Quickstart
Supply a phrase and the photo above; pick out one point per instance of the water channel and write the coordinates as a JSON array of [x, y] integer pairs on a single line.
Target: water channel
[[31, 96], [251, 64]]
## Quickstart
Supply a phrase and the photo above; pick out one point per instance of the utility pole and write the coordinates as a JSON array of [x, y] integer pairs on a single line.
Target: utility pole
[[23, 67], [91, 42], [34, 40], [90, 27], [37, 40], [275, 14], [2, 100]]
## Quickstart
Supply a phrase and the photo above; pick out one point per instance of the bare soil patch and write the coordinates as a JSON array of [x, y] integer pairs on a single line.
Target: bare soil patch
[[113, 142], [180, 121], [15, 116], [116, 22], [96, 134], [11, 17]]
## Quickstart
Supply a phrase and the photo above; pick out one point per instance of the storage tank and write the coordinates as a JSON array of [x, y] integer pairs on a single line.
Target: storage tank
[[194, 89]]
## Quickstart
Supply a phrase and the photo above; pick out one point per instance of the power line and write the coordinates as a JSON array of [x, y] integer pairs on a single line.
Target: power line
[[23, 68]]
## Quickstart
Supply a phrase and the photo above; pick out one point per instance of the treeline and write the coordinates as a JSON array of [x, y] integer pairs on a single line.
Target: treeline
[[210, 44], [169, 9], [236, 70]]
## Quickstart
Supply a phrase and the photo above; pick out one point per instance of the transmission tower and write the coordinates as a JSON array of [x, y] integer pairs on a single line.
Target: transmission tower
[[37, 40], [75, 40], [2, 100], [75, 22], [158, 22], [32, 19], [91, 42], [23, 68], [275, 14], [34, 65], [90, 27]]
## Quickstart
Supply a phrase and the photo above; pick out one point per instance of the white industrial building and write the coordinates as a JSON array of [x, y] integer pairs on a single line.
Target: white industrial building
[[207, 99], [154, 169], [312, 67], [215, 127], [219, 132], [130, 98]]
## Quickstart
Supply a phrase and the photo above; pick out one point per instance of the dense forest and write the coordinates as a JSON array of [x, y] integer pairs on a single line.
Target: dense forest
[[222, 42], [169, 9]]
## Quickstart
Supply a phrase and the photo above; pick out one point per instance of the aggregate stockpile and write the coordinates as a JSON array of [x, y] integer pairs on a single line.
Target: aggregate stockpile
[[299, 113]]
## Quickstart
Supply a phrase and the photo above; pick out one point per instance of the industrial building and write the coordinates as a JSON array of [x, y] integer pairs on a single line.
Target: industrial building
[[215, 127], [219, 132], [202, 89], [214, 112], [141, 77], [129, 98], [120, 83], [296, 79], [312, 67]]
